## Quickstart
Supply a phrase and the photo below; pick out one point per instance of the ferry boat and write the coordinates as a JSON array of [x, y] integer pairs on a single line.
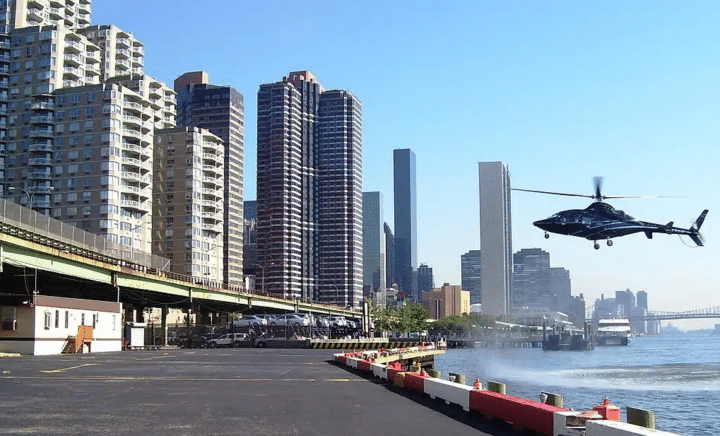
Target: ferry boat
[[613, 332]]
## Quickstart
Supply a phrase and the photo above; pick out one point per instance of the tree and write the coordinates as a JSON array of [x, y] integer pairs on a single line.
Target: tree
[[413, 318]]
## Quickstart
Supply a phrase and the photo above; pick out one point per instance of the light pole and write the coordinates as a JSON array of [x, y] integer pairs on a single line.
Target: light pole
[[337, 299], [262, 268], [28, 194]]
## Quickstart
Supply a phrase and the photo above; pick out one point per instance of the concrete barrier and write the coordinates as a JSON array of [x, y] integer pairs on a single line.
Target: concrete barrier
[[352, 362], [617, 428], [415, 382], [379, 370], [449, 391], [522, 413]]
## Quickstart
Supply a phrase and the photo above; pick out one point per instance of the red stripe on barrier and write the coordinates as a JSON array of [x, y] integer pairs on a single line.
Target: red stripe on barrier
[[363, 365], [415, 382], [520, 412]]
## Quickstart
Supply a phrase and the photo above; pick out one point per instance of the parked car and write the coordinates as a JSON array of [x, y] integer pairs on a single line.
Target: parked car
[[290, 319], [195, 341], [229, 340], [251, 321], [322, 322], [338, 321]]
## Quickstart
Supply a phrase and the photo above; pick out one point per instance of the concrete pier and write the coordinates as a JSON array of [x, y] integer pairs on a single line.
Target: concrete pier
[[239, 391]]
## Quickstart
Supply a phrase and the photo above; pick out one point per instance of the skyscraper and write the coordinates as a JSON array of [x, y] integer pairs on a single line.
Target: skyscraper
[[405, 201], [495, 238], [373, 245], [531, 278], [389, 256], [309, 190], [471, 274], [425, 280], [220, 109]]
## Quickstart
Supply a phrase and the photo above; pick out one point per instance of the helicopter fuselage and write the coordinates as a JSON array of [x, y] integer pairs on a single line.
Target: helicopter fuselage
[[600, 221]]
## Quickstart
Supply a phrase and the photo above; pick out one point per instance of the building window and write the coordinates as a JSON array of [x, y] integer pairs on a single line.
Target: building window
[[57, 319], [67, 319], [48, 320]]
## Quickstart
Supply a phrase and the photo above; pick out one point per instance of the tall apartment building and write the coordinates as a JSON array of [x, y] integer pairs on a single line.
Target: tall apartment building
[[309, 190], [16, 14], [471, 274], [188, 201], [373, 246], [79, 143], [123, 54], [103, 160], [405, 200], [495, 238], [221, 110]]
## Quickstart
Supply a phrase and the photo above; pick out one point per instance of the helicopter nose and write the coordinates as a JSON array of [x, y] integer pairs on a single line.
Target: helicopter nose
[[542, 224]]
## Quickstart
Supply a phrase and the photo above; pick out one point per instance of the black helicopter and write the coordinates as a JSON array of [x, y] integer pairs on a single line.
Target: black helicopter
[[601, 221]]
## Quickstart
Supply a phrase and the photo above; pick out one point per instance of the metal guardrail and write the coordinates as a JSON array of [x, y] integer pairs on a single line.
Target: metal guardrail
[[45, 227], [27, 219]]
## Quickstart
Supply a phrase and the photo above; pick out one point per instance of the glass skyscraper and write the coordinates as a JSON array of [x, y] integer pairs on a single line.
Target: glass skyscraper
[[495, 238], [405, 200]]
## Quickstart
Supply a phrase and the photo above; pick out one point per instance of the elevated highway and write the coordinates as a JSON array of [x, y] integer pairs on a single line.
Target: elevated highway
[[40, 255]]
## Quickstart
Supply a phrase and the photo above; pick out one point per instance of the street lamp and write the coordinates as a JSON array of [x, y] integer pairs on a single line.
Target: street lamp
[[337, 298], [262, 268], [28, 194]]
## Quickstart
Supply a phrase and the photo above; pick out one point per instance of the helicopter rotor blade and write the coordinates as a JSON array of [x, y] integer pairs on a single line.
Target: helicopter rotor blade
[[554, 193], [598, 181]]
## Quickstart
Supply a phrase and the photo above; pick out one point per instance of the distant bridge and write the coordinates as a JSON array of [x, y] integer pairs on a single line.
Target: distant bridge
[[711, 312]]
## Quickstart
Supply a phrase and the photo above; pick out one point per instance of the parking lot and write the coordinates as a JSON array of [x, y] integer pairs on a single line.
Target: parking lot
[[240, 391]]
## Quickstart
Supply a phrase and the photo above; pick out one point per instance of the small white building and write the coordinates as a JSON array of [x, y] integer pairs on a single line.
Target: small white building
[[44, 325]]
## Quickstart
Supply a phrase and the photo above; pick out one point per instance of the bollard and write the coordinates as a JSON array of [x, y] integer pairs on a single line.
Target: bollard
[[554, 399], [496, 387], [643, 418], [433, 373], [459, 378]]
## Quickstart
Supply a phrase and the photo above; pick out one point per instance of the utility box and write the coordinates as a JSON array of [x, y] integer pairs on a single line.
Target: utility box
[[608, 411], [135, 334]]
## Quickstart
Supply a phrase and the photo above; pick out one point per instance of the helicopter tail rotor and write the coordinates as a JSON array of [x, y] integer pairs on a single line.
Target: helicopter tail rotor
[[695, 229]]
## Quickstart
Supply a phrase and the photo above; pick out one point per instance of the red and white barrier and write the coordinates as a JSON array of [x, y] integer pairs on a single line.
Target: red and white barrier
[[542, 418], [449, 391]]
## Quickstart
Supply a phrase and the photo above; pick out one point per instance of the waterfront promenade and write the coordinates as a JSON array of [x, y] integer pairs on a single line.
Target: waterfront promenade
[[216, 392]]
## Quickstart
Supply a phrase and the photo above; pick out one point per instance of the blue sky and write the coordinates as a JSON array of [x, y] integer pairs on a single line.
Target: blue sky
[[560, 91]]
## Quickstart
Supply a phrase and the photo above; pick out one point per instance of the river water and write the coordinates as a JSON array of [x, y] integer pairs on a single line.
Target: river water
[[677, 376]]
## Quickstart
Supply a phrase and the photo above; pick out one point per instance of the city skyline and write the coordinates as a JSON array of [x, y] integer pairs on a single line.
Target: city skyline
[[560, 93]]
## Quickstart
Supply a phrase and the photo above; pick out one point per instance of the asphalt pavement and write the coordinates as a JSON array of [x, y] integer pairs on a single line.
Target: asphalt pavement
[[234, 391]]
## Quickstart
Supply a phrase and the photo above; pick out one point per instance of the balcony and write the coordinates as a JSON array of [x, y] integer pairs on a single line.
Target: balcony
[[123, 42], [130, 189], [40, 175], [40, 147], [41, 120], [41, 133], [44, 162], [132, 133], [131, 176], [74, 59], [43, 105]]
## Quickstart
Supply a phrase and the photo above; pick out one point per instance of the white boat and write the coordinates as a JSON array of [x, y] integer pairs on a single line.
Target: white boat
[[613, 332]]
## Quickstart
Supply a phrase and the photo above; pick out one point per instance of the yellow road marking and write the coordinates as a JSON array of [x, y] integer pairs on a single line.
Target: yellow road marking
[[72, 367]]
